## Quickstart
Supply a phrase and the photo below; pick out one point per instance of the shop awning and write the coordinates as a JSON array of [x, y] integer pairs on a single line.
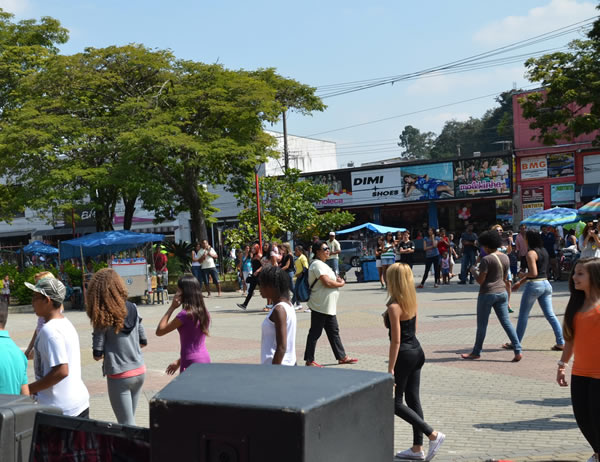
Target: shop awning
[[64, 231], [22, 232]]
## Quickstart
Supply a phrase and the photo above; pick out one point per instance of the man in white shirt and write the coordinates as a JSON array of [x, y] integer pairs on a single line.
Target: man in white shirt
[[57, 363], [334, 253], [209, 268]]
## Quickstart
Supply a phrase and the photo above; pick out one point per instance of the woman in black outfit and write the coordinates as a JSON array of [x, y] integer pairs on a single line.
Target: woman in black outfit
[[256, 268], [406, 358]]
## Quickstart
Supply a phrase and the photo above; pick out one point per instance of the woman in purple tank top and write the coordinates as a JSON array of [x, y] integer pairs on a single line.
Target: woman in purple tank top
[[192, 323]]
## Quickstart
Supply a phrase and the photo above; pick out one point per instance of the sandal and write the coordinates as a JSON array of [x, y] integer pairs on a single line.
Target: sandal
[[508, 346], [420, 286], [558, 347], [313, 364], [348, 360], [470, 356], [517, 358]]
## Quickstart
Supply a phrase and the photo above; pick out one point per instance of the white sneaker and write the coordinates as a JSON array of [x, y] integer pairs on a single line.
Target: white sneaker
[[298, 307], [434, 446], [410, 455], [593, 458]]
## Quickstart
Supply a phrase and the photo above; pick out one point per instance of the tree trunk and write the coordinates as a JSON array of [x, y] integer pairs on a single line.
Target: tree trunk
[[129, 211], [105, 210]]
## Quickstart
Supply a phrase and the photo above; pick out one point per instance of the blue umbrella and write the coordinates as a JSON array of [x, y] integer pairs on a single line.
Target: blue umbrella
[[39, 248], [591, 207], [552, 217], [372, 227]]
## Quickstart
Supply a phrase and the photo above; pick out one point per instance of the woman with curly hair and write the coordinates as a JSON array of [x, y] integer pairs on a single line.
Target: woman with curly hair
[[117, 339], [192, 323]]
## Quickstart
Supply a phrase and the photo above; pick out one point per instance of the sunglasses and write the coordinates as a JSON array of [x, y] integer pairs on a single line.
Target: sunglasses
[[325, 249]]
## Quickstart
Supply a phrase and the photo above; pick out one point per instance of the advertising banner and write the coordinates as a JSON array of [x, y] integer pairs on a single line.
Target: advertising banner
[[531, 208], [340, 188], [562, 193], [533, 167], [562, 164], [482, 176], [376, 186], [532, 194], [427, 182]]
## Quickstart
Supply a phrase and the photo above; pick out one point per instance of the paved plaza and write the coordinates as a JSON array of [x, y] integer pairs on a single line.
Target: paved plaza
[[489, 409]]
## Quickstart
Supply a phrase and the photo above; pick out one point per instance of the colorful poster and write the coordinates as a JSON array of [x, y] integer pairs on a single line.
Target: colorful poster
[[532, 194], [376, 186], [533, 167], [427, 182], [562, 164], [482, 176], [562, 193], [340, 189], [532, 208]]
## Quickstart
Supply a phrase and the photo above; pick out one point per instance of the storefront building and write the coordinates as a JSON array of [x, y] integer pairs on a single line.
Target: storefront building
[[564, 175], [415, 195]]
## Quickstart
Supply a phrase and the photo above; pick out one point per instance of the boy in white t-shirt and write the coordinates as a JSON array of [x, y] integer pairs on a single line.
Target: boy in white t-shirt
[[57, 362]]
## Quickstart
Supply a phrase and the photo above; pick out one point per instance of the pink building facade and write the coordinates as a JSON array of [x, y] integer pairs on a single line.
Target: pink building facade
[[566, 174]]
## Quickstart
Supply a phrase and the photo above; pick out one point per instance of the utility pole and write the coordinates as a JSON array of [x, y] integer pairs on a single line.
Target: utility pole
[[286, 154], [458, 149]]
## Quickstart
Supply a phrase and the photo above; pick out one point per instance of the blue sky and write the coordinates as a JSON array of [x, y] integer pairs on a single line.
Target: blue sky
[[321, 43]]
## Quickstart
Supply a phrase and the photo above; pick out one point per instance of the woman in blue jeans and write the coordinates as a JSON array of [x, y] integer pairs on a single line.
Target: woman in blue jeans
[[537, 288], [492, 278]]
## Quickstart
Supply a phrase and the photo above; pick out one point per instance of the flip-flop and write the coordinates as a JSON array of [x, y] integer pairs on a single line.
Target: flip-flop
[[508, 346], [470, 356], [517, 358], [348, 360], [558, 348]]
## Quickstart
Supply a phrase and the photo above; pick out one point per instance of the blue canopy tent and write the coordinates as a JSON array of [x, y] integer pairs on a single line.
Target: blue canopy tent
[[106, 242], [372, 227], [39, 248]]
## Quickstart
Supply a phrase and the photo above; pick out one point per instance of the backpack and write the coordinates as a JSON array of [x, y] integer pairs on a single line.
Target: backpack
[[302, 288]]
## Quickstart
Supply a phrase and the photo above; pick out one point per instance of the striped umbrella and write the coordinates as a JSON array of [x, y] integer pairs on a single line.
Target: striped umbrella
[[552, 217], [591, 207]]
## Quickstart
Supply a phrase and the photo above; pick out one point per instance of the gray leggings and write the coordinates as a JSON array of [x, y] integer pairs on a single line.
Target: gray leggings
[[124, 394]]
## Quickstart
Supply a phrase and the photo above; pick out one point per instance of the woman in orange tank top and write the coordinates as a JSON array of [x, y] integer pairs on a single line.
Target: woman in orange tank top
[[582, 335]]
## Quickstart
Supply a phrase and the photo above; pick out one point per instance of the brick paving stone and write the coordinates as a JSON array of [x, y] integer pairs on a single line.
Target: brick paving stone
[[490, 408]]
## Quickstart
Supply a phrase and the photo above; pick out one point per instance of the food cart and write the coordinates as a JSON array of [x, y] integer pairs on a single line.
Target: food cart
[[135, 271]]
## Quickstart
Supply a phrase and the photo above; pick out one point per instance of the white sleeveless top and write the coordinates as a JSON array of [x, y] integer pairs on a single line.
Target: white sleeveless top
[[269, 340]]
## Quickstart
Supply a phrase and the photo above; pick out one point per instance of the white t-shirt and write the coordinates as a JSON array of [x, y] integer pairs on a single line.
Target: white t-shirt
[[268, 342], [322, 299], [334, 246], [209, 261], [58, 343]]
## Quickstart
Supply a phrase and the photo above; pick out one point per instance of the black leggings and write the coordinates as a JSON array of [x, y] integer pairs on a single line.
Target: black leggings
[[407, 375], [435, 261], [585, 397], [252, 285]]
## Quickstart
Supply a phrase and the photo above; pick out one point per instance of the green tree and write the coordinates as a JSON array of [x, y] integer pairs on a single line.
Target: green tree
[[25, 47], [465, 134], [62, 142], [287, 205], [207, 129], [416, 145], [569, 106]]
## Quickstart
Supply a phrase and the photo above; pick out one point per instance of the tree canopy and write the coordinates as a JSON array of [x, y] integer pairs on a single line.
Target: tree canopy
[[569, 104]]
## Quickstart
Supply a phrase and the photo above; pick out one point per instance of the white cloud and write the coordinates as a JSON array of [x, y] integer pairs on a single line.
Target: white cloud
[[539, 20], [16, 7]]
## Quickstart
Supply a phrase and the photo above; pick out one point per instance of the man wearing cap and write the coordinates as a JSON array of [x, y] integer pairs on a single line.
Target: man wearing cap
[[57, 362], [334, 253]]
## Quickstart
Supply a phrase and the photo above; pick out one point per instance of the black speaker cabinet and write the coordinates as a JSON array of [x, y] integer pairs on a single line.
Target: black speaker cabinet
[[254, 413], [17, 416]]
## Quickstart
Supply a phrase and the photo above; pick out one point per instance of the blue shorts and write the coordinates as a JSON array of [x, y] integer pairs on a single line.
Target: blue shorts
[[206, 272], [386, 261]]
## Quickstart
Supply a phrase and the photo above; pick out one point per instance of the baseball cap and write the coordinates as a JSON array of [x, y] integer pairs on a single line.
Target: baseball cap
[[50, 287], [332, 232]]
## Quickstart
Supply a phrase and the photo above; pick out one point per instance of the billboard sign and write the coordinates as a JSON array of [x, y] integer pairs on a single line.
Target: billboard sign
[[532, 208], [591, 169], [482, 176], [427, 182], [532, 194], [562, 164], [340, 189], [533, 167], [562, 193], [376, 186]]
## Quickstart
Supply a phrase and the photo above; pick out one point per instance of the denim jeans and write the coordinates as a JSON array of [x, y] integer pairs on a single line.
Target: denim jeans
[[542, 292], [334, 264], [197, 272], [485, 303], [468, 259]]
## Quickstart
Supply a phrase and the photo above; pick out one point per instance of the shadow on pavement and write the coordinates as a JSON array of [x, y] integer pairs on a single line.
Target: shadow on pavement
[[552, 402], [438, 316], [544, 424]]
